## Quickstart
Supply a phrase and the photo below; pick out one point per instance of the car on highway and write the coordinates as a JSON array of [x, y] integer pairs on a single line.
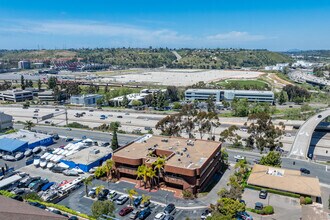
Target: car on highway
[[126, 210], [169, 209], [263, 194], [239, 157], [134, 214], [305, 171], [319, 116], [122, 200]]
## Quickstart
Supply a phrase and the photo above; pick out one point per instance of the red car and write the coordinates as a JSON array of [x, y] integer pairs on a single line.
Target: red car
[[124, 211]]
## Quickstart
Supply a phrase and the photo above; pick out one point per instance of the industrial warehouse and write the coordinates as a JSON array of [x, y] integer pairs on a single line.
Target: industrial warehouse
[[23, 139]]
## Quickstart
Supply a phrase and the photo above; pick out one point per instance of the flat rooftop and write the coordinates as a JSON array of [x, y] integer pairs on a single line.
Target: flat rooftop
[[181, 152], [284, 180], [27, 136], [87, 155]]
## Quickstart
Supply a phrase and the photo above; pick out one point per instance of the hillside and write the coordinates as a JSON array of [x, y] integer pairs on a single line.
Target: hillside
[[152, 58]]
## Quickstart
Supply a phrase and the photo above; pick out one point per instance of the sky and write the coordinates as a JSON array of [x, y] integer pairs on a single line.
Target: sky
[[277, 25]]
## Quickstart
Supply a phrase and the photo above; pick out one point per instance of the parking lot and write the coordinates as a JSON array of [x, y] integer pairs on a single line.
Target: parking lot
[[285, 208], [78, 201]]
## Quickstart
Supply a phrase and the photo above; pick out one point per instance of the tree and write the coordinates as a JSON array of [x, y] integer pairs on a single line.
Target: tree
[[283, 97], [30, 84], [39, 84], [224, 156], [172, 93], [87, 182], [263, 132], [228, 207], [125, 101], [141, 173], [99, 102], [99, 189], [28, 125], [100, 208], [52, 82], [145, 199], [159, 166], [114, 141], [170, 125], [131, 193], [136, 103], [240, 107], [210, 104], [99, 172], [151, 174], [22, 82], [108, 167], [272, 159]]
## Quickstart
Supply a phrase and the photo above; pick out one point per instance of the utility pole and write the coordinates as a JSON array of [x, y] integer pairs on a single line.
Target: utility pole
[[66, 116]]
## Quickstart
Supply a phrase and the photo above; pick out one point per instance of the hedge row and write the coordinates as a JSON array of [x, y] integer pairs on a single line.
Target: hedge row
[[267, 210], [6, 193], [294, 195], [305, 200], [63, 208]]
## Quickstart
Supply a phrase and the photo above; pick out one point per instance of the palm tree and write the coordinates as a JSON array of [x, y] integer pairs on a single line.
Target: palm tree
[[28, 125], [145, 198], [151, 174], [142, 174], [131, 193], [108, 168], [99, 189], [159, 166], [87, 182]]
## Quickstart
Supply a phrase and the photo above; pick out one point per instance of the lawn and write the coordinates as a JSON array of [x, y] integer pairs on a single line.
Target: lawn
[[244, 84]]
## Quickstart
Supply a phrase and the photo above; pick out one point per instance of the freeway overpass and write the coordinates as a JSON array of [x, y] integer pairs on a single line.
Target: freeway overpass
[[303, 138]]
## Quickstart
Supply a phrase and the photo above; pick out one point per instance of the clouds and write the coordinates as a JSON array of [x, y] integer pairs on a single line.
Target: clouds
[[118, 35]]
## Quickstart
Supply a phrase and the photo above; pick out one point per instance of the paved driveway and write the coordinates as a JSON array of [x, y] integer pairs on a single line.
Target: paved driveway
[[286, 208]]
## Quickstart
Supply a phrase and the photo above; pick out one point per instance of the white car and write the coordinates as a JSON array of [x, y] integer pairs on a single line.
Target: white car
[[160, 216], [43, 163], [239, 157], [36, 162]]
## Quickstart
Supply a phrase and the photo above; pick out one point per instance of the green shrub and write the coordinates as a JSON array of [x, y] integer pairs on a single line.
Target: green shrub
[[63, 208], [6, 193], [308, 200], [268, 210], [32, 196], [77, 125], [187, 194]]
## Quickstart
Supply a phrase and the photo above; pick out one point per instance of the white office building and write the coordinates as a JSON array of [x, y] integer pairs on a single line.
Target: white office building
[[85, 100], [16, 95], [23, 64], [229, 95]]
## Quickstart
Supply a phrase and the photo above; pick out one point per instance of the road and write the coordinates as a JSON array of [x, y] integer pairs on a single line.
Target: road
[[303, 138]]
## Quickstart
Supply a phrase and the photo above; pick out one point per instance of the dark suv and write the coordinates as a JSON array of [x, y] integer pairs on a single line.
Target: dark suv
[[169, 208], [263, 194]]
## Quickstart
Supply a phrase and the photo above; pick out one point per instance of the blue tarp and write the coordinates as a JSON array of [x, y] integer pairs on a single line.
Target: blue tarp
[[12, 145]]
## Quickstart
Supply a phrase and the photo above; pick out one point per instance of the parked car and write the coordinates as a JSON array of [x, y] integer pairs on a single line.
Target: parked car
[[37, 187], [160, 216], [92, 192], [243, 216], [144, 213], [169, 208], [28, 153], [134, 214], [56, 137], [119, 116], [168, 217], [126, 210], [137, 201], [145, 204], [205, 214], [103, 194], [29, 181], [122, 200], [305, 171], [112, 195], [147, 128], [258, 206], [263, 194], [68, 139], [19, 156]]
